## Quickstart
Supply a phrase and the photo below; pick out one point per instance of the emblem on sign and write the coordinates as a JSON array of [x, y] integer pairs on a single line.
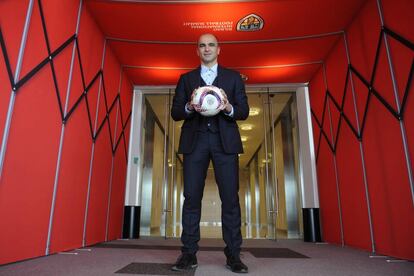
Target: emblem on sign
[[244, 77], [249, 23]]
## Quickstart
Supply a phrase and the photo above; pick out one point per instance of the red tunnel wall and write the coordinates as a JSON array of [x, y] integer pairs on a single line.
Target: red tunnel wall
[[31, 165], [381, 148]]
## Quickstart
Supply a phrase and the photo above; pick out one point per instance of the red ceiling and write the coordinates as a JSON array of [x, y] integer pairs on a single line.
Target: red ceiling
[[160, 37]]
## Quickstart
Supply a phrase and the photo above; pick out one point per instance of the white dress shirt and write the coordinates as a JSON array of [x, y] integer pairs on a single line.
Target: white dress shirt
[[208, 74]]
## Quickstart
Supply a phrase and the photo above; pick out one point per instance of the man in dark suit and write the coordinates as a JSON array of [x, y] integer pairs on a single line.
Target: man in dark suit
[[215, 138]]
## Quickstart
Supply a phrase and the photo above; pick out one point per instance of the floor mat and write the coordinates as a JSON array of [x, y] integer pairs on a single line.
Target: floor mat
[[274, 253], [152, 269], [256, 251]]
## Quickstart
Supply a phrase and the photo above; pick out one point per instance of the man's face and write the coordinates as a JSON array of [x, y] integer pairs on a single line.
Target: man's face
[[208, 49]]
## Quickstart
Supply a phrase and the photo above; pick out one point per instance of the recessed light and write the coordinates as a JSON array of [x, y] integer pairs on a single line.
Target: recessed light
[[244, 138], [254, 111], [246, 127]]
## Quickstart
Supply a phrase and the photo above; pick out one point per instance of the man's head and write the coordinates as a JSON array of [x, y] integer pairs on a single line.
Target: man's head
[[208, 49]]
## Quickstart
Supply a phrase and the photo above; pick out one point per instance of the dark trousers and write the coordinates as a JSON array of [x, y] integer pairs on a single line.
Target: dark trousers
[[226, 170]]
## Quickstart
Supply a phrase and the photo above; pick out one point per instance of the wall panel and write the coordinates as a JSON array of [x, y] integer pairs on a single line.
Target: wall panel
[[126, 95], [382, 78], [5, 93], [361, 98], [62, 67], [327, 122], [380, 132], [402, 60], [335, 120], [26, 185], [336, 68], [409, 120], [349, 105], [91, 42], [117, 194], [98, 200], [316, 134], [112, 74], [31, 160], [36, 49], [126, 100], [60, 18], [76, 84], [73, 182], [12, 18], [392, 209], [328, 195], [317, 86], [398, 16], [363, 35], [351, 183]]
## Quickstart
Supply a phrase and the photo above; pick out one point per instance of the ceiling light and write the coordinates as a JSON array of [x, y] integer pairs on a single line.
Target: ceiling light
[[244, 138], [246, 127], [254, 111]]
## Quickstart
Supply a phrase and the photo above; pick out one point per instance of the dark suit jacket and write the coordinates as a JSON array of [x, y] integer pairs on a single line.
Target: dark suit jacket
[[231, 82]]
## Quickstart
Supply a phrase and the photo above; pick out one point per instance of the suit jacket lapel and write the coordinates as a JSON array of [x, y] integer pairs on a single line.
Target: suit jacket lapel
[[219, 80], [195, 80]]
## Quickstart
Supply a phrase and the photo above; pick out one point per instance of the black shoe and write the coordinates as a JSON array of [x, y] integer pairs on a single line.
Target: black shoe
[[186, 261], [236, 265]]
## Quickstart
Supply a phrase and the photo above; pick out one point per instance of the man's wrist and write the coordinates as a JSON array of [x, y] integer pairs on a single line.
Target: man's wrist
[[188, 108], [230, 112]]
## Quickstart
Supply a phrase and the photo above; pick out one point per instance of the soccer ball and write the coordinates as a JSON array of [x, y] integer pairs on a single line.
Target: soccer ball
[[208, 100]]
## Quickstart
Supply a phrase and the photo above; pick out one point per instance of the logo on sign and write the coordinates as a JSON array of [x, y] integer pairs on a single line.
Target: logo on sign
[[249, 23], [244, 77]]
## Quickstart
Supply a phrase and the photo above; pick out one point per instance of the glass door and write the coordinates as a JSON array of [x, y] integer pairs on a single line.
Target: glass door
[[269, 161], [269, 169], [272, 207], [259, 164], [282, 147], [173, 175], [162, 169]]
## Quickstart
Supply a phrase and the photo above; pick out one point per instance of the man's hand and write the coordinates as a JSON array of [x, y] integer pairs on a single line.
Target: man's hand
[[190, 106], [227, 107]]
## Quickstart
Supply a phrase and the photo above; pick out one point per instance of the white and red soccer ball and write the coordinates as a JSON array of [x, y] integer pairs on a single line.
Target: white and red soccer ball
[[208, 100]]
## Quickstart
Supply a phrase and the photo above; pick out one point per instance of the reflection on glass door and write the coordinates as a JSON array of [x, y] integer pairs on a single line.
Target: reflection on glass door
[[174, 176], [162, 171], [269, 165]]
